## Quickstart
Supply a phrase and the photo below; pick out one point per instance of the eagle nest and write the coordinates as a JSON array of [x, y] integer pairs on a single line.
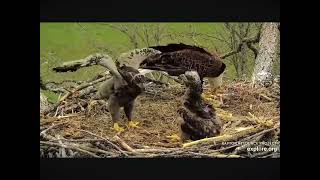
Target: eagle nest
[[250, 116]]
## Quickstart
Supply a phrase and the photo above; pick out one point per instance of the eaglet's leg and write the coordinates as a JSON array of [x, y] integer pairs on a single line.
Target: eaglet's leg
[[114, 108], [128, 108]]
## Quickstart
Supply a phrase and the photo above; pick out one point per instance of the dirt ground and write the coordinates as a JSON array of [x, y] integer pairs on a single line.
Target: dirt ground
[[237, 105]]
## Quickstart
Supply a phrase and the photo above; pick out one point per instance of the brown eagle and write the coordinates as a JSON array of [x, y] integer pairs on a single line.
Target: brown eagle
[[198, 119], [176, 59], [121, 89]]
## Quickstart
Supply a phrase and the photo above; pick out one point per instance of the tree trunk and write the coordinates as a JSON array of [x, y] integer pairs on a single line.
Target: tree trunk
[[262, 73]]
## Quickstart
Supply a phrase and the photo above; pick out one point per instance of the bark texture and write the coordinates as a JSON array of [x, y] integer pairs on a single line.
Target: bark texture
[[262, 73]]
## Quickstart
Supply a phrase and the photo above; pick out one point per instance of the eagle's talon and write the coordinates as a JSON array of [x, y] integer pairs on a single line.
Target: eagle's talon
[[133, 124], [117, 128]]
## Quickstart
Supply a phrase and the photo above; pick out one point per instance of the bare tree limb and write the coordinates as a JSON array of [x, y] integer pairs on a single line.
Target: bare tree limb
[[132, 36], [238, 49], [253, 49], [247, 41], [247, 29]]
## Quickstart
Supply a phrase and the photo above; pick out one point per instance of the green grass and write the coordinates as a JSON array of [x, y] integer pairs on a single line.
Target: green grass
[[52, 97], [61, 42]]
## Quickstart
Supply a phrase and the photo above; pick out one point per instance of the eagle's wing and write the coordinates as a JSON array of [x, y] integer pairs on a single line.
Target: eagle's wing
[[178, 47], [170, 69], [178, 62], [175, 59], [111, 66], [134, 57], [182, 57]]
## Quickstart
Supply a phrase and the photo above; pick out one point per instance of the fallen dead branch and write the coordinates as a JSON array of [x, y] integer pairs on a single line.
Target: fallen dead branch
[[95, 59]]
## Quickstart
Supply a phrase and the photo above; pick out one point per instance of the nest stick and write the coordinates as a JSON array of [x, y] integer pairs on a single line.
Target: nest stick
[[262, 132], [265, 97], [156, 150], [107, 140], [51, 127], [215, 155], [212, 139], [123, 144], [70, 147], [82, 86], [78, 88], [225, 137], [63, 150], [94, 150]]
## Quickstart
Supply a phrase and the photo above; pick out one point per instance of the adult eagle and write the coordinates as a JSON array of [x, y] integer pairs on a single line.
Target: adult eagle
[[176, 59]]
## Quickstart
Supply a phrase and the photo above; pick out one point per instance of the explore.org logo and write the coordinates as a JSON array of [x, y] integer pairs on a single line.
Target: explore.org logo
[[259, 149], [256, 146]]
